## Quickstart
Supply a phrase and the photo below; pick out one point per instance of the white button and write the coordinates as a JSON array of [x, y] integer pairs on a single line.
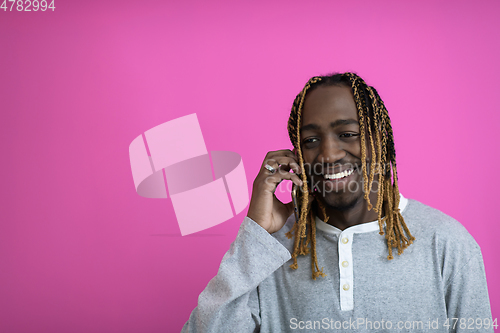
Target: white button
[[345, 287], [345, 240], [345, 264]]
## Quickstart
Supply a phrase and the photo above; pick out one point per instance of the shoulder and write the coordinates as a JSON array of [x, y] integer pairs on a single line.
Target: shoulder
[[440, 236], [426, 221]]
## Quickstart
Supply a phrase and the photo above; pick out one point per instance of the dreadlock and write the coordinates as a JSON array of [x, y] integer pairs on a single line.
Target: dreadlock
[[372, 117]]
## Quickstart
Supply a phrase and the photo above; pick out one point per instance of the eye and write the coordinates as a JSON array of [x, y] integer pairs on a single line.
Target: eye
[[310, 142], [348, 135]]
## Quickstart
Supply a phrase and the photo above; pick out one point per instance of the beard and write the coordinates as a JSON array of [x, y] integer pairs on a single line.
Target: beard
[[340, 201]]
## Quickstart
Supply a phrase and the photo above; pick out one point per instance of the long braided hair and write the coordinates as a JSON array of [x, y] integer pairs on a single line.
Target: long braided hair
[[372, 117]]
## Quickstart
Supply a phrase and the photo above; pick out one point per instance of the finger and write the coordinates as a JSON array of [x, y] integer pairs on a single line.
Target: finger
[[286, 154], [282, 152], [279, 153], [271, 166], [285, 163], [291, 165], [285, 168], [279, 177]]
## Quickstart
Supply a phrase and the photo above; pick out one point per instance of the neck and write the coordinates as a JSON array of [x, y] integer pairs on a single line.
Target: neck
[[358, 214]]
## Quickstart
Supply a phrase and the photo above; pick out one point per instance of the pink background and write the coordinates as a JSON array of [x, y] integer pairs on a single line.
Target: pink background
[[80, 251]]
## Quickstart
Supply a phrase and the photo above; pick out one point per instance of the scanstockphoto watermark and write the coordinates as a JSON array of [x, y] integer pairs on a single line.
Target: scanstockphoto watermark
[[361, 323], [354, 324]]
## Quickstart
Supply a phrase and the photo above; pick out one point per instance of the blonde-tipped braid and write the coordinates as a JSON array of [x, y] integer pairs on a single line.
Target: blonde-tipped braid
[[373, 121]]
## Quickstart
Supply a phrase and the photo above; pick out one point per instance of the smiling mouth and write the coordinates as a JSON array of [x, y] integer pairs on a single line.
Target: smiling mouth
[[339, 175]]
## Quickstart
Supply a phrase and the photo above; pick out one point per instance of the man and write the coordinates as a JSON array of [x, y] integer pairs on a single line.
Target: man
[[334, 268]]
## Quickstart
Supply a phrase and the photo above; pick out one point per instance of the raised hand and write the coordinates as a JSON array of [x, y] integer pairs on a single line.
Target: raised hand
[[265, 209]]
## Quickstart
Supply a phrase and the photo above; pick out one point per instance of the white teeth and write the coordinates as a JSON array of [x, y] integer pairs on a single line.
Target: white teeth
[[339, 175]]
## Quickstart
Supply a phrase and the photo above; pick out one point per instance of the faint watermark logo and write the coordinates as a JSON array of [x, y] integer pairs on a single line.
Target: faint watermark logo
[[172, 161]]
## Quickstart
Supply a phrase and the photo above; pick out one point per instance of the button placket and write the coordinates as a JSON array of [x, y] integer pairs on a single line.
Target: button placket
[[346, 271], [346, 274]]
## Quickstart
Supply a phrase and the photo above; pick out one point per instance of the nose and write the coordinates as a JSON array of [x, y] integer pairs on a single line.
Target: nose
[[331, 150]]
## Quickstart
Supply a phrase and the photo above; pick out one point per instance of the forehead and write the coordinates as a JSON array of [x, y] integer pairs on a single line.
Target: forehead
[[326, 104]]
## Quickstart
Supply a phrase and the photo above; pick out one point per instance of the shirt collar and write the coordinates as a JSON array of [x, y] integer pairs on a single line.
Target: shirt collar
[[359, 228]]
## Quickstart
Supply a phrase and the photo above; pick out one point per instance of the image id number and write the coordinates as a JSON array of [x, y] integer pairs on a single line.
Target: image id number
[[27, 5]]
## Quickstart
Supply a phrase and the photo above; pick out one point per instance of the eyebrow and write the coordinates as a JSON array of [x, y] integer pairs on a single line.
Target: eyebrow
[[332, 125]]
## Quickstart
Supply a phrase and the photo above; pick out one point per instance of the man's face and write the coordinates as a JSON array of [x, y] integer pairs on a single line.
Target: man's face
[[330, 141]]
